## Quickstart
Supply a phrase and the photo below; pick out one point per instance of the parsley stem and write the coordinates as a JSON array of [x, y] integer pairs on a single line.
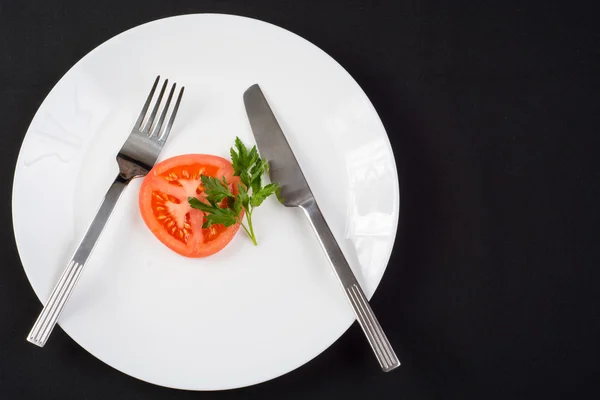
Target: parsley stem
[[246, 229], [250, 232]]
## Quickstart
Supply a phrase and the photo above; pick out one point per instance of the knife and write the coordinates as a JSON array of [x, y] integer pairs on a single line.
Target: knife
[[295, 192]]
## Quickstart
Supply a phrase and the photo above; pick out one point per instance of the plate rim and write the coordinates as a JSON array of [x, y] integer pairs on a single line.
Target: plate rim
[[396, 200]]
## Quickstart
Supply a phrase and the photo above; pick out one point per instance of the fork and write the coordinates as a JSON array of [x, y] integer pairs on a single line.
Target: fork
[[135, 159]]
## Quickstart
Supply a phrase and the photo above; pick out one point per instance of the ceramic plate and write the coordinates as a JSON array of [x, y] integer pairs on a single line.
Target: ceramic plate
[[246, 314]]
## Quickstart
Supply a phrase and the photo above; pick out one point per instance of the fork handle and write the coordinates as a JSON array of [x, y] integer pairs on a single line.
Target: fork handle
[[364, 314], [60, 294]]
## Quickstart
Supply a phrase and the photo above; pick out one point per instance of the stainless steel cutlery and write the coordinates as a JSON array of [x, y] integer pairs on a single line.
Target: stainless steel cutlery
[[135, 159], [295, 192]]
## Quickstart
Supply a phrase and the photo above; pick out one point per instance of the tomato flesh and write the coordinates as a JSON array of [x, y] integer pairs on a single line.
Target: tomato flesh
[[165, 209]]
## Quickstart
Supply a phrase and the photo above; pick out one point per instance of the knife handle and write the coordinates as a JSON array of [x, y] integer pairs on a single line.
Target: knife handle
[[365, 316]]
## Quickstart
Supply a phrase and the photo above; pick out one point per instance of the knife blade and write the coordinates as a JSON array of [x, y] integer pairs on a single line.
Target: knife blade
[[295, 192]]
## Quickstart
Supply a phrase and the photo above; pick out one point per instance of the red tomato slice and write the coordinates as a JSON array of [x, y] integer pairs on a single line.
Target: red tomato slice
[[166, 211]]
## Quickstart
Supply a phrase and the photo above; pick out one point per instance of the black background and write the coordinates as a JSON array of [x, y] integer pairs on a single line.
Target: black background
[[493, 112]]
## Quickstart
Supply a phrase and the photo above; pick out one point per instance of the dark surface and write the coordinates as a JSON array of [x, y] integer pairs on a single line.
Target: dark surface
[[493, 112]]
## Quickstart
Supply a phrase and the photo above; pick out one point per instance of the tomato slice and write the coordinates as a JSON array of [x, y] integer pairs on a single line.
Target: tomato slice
[[166, 211]]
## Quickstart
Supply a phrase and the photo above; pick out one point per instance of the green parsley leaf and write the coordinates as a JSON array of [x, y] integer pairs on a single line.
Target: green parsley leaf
[[252, 157], [262, 194], [234, 161], [243, 196], [224, 216], [195, 203], [215, 189], [214, 213], [235, 205], [249, 167], [242, 154], [256, 176]]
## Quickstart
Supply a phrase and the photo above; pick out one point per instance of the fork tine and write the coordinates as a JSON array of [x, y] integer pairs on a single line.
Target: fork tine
[[163, 115], [148, 126], [138, 123], [165, 134]]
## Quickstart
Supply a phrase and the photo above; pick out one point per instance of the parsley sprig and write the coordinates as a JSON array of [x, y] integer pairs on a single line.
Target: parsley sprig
[[248, 165]]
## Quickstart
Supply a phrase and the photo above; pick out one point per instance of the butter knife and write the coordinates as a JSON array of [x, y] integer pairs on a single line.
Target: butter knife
[[295, 192]]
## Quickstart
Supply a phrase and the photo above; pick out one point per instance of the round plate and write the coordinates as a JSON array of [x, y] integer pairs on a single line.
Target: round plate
[[246, 314]]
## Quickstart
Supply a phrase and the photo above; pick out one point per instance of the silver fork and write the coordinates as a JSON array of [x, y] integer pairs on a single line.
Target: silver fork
[[135, 159]]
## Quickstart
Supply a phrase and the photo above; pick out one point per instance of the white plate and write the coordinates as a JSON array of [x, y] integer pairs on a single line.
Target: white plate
[[246, 314]]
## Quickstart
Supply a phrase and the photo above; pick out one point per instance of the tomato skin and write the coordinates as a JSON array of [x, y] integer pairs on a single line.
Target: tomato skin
[[165, 209]]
